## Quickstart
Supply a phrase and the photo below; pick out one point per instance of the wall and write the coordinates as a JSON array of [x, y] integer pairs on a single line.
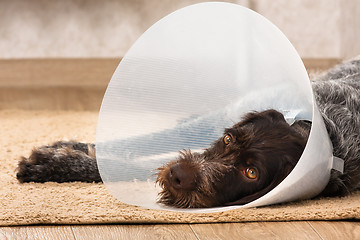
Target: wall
[[107, 28], [318, 29], [77, 28]]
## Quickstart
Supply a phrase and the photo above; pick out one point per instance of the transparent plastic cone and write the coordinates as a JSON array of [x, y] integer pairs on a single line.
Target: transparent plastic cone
[[187, 78]]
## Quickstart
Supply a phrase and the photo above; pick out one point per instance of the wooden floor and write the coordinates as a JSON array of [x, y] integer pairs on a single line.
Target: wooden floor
[[257, 230]]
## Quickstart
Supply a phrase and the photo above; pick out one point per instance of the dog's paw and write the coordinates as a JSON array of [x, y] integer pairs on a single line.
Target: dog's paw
[[36, 168], [60, 162]]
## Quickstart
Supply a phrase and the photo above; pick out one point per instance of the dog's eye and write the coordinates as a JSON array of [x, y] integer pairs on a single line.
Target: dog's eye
[[227, 139], [251, 173]]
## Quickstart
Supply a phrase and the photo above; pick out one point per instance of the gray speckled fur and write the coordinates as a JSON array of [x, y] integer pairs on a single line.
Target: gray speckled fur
[[337, 94], [60, 162]]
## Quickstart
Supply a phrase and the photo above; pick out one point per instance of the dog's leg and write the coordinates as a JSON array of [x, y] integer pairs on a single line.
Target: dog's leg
[[60, 162]]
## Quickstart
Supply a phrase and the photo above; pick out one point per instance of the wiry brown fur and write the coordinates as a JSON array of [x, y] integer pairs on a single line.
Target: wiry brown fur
[[262, 141], [204, 194]]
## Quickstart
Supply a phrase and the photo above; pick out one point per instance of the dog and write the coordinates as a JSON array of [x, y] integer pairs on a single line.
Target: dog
[[249, 160]]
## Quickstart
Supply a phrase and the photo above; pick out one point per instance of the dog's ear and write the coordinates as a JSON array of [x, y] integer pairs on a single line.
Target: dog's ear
[[269, 116], [274, 115], [281, 174]]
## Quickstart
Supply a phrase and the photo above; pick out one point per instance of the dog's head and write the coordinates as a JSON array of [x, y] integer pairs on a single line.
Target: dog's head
[[251, 158]]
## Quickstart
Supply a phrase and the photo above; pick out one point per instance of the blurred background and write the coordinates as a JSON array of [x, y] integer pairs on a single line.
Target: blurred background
[[61, 54]]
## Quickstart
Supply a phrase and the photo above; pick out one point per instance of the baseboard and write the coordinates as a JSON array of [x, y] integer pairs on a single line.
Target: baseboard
[[320, 64], [70, 84]]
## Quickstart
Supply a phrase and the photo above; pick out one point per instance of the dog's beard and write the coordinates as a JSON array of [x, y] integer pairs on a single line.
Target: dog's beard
[[207, 175]]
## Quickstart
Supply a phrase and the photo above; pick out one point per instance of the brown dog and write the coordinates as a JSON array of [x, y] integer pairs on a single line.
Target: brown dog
[[251, 158], [256, 154]]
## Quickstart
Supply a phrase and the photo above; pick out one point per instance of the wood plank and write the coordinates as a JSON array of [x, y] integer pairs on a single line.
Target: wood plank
[[337, 230], [37, 232], [84, 72], [81, 98], [54, 84], [256, 230], [320, 64], [133, 232], [56, 72], [70, 84]]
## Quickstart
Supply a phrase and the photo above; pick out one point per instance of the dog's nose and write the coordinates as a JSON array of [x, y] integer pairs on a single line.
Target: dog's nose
[[182, 177]]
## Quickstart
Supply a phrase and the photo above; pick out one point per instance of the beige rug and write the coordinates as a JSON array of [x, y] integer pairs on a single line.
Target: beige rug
[[82, 203]]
